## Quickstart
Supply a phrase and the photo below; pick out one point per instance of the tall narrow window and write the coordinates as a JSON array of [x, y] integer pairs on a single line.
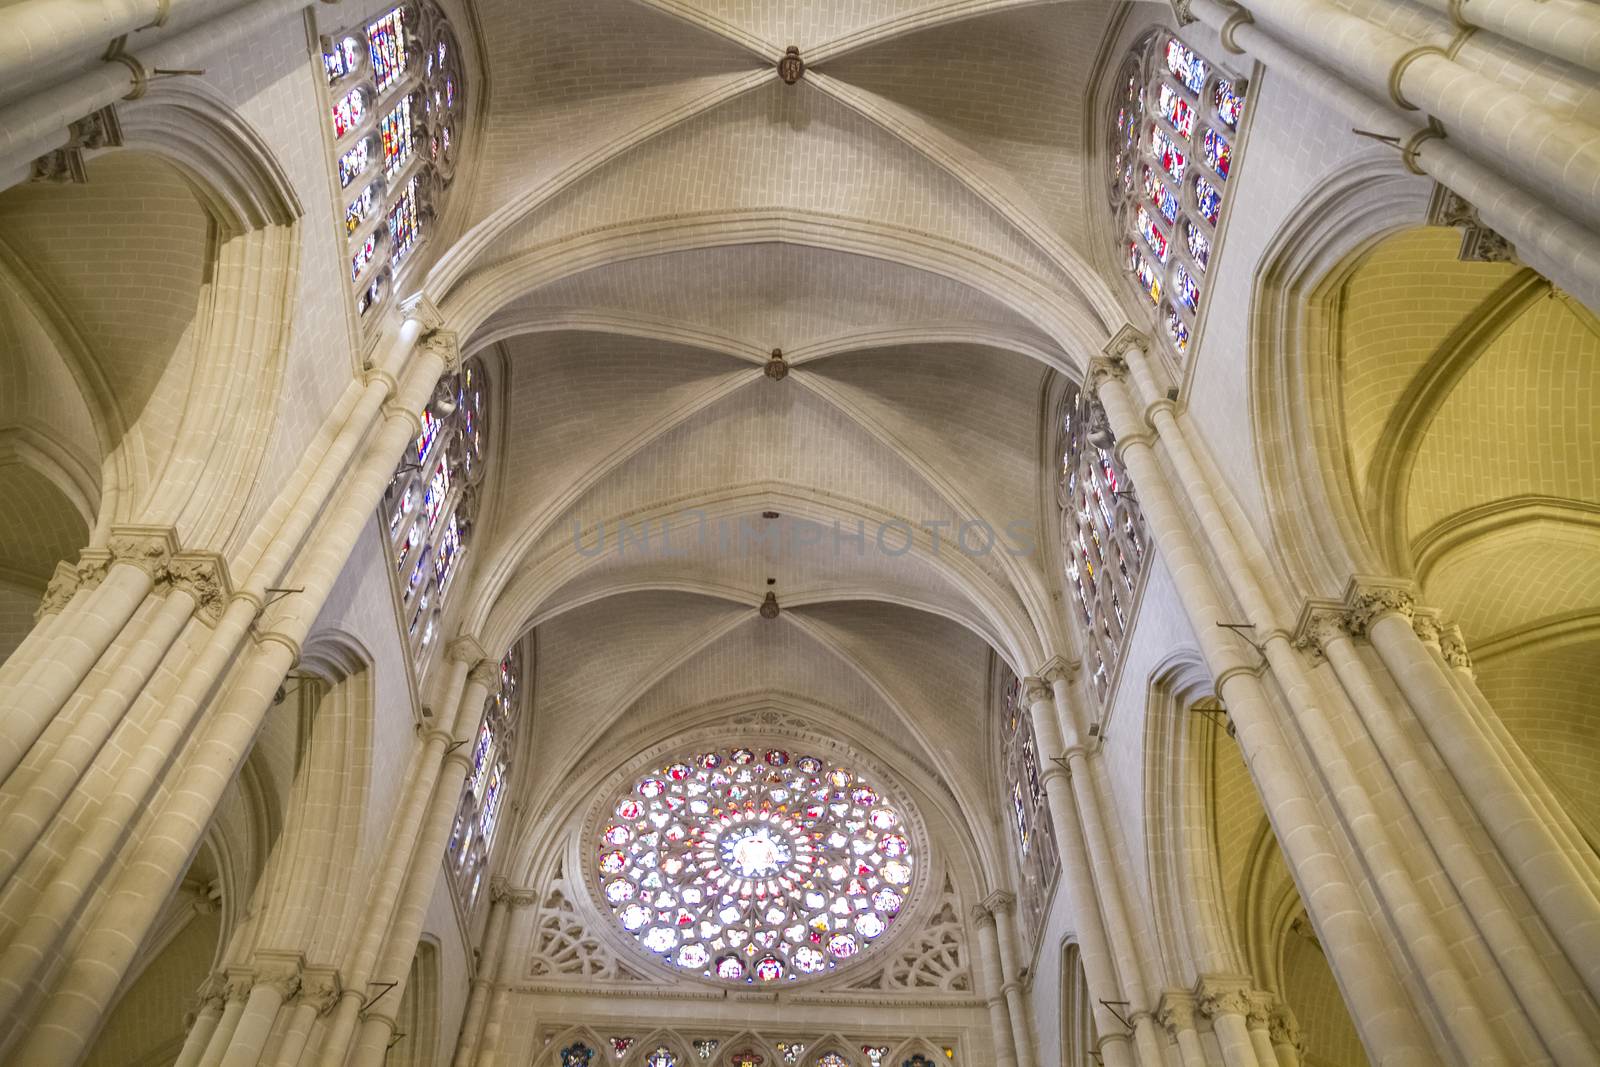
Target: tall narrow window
[[431, 505], [1102, 535], [1172, 127], [396, 114], [480, 811], [1033, 833]]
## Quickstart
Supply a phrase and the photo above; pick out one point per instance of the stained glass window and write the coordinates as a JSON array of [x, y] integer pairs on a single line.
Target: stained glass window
[[875, 1053], [431, 504], [661, 1057], [754, 865], [832, 1059], [576, 1055], [1102, 533], [791, 1051], [1171, 227], [395, 99], [482, 794], [1033, 831], [621, 1045], [705, 1047]]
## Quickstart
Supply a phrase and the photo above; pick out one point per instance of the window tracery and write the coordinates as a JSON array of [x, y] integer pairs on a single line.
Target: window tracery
[[1103, 538], [1172, 135], [483, 793], [431, 505], [397, 99], [754, 865], [1033, 833]]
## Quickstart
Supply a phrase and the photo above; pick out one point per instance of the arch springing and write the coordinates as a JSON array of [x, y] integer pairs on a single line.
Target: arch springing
[[1103, 537], [483, 793], [397, 102], [1174, 121]]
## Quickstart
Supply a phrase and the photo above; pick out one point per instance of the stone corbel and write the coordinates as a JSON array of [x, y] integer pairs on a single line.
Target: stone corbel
[[980, 914], [1182, 13], [1479, 243], [96, 130]]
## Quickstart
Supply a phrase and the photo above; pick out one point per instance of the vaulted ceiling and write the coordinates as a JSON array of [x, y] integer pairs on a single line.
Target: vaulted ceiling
[[654, 211]]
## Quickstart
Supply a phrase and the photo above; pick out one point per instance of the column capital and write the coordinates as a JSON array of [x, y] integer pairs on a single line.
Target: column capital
[[1102, 368], [1000, 900], [519, 897], [1369, 600], [1320, 622], [1036, 690], [1057, 669], [202, 575], [422, 308], [237, 984], [465, 648], [981, 916], [1259, 1017], [1425, 621], [1175, 1011], [443, 344], [1284, 1028], [486, 672], [320, 987], [149, 548], [63, 586], [1127, 338], [1221, 995], [1454, 647], [213, 992]]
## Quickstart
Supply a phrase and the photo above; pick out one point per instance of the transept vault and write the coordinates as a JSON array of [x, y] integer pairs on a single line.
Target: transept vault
[[842, 533]]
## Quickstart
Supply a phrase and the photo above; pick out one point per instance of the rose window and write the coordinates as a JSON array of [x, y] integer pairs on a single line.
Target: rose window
[[754, 866]]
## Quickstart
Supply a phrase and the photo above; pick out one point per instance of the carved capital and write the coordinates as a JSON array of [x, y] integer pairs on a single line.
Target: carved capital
[[1115, 351], [212, 993], [1284, 1028], [1223, 996], [238, 986], [96, 130], [1056, 669], [1175, 1012], [465, 649], [204, 576], [320, 987], [1259, 1017], [1035, 690], [443, 344], [487, 674], [1425, 622], [1318, 626], [1182, 12], [1454, 647], [150, 548], [1000, 900], [63, 584], [1104, 367], [1479, 243], [422, 308], [981, 915], [1369, 603]]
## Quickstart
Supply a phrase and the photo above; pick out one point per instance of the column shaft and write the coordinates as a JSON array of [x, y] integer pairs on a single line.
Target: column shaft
[[293, 1046], [1234, 1037], [1011, 976], [1389, 1028], [250, 1036], [218, 1045], [484, 982], [199, 1036], [1005, 1051]]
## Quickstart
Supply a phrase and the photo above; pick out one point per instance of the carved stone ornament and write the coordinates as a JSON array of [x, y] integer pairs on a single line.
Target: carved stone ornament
[[1284, 1029], [1454, 647], [1427, 627], [791, 68], [1175, 1013], [443, 344], [1479, 243], [777, 367], [769, 606], [203, 576], [1370, 603], [1035, 689], [486, 674], [238, 986], [1259, 1017], [63, 584], [1223, 1001], [98, 129], [1000, 900], [149, 548], [320, 987], [1182, 12], [1318, 626], [1106, 366]]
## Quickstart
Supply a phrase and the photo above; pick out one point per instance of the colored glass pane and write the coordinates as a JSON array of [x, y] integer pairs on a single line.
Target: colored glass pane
[[1184, 285], [1167, 151], [1176, 110], [791, 1051], [1217, 152], [751, 866], [364, 253], [1177, 330], [832, 1059], [577, 1055], [1208, 198], [661, 1057], [1019, 816], [1186, 66], [705, 1047], [430, 433], [1152, 234], [403, 225], [387, 45], [1164, 199], [342, 59], [1149, 280], [1199, 245], [348, 111], [621, 1045], [360, 209], [1229, 104], [394, 129], [353, 162]]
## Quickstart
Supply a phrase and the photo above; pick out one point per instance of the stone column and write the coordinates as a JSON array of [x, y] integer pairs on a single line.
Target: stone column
[[1259, 1020], [1002, 905], [1327, 632], [1226, 1005], [205, 1023], [274, 984], [1098, 966], [1564, 899], [1176, 1015], [90, 978], [489, 1044], [1378, 1001], [494, 936], [237, 994], [1285, 1033], [471, 677], [319, 989], [1005, 1050]]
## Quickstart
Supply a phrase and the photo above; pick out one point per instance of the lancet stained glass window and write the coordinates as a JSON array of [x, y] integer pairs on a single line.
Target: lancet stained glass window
[[431, 504], [483, 794], [1033, 834], [1103, 538], [396, 111], [754, 865], [1182, 147]]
